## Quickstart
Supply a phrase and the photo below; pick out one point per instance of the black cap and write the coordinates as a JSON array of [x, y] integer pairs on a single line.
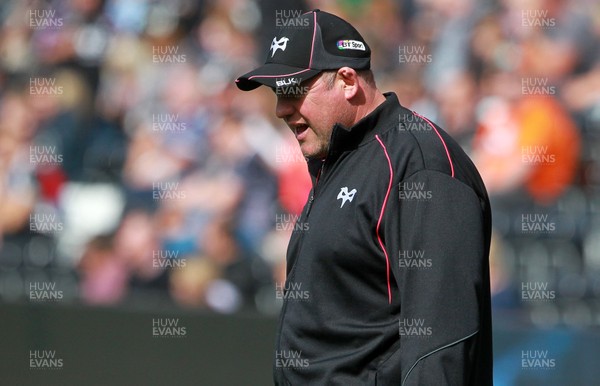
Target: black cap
[[319, 41]]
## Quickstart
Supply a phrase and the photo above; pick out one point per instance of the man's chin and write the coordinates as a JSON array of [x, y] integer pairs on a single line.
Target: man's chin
[[313, 148], [311, 153], [314, 156]]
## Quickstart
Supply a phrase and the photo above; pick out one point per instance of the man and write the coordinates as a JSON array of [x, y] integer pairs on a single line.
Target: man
[[388, 282]]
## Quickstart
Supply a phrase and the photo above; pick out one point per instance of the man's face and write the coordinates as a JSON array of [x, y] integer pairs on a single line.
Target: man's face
[[311, 115]]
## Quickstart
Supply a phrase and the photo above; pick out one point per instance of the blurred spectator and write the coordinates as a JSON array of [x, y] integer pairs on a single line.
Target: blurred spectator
[[103, 274], [189, 286], [530, 143]]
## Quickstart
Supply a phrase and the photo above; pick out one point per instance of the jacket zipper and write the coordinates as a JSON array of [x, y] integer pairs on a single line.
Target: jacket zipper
[[312, 191], [309, 204], [311, 199]]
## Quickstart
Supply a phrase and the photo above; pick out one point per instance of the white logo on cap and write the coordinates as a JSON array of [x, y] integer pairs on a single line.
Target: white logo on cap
[[280, 44], [287, 82]]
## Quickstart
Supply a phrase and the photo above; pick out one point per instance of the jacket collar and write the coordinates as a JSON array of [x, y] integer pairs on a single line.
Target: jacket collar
[[346, 139]]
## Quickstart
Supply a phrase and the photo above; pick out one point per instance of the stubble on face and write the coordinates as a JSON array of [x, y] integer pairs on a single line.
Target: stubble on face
[[312, 117]]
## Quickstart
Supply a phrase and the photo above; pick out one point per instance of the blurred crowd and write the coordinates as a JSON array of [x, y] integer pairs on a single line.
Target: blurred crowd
[[132, 170]]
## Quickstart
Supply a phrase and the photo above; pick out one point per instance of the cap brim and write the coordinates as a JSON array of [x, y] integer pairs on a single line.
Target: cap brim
[[274, 75]]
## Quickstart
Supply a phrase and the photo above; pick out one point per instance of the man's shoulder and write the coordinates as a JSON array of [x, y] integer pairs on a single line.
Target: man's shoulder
[[416, 143]]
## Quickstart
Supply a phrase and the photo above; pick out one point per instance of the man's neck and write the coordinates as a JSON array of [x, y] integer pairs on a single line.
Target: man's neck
[[374, 99]]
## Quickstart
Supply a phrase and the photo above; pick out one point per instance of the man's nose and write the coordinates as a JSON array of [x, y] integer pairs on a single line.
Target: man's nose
[[284, 107]]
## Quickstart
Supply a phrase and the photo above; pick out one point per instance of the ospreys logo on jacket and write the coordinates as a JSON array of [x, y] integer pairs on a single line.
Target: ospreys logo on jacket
[[394, 259]]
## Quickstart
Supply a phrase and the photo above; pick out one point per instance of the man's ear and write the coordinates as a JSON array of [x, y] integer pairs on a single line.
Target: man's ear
[[349, 77]]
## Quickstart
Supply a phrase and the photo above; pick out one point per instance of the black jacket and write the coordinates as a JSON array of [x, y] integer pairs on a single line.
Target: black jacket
[[387, 271]]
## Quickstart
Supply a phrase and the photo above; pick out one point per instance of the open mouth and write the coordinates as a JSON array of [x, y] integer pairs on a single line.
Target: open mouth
[[299, 129]]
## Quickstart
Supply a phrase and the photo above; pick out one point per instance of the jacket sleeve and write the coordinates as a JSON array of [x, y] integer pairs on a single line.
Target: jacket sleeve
[[435, 237]]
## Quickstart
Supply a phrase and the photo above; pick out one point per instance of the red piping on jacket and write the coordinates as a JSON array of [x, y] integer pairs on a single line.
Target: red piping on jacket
[[441, 139], [387, 194]]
